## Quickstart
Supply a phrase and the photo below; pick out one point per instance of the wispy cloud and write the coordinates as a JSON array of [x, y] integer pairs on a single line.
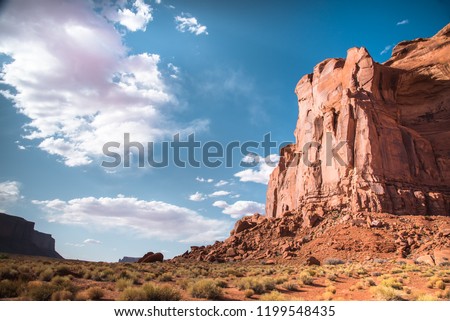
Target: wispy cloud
[[261, 174], [149, 219], [204, 180], [219, 193], [91, 241], [240, 208], [403, 22], [187, 23], [221, 183], [79, 85], [386, 49]]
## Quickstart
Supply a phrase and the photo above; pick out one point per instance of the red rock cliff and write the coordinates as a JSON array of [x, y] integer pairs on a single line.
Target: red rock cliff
[[371, 137]]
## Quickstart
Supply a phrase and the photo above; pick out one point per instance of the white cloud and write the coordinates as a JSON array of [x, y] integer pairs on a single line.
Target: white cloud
[[77, 82], [186, 22], [386, 49], [235, 196], [149, 219], [134, 18], [262, 173], [240, 208], [9, 192], [174, 70], [219, 193], [91, 241], [204, 180], [403, 22], [158, 1], [221, 183], [197, 197]]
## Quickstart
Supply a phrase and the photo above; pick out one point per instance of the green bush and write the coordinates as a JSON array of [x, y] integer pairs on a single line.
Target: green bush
[[206, 289]]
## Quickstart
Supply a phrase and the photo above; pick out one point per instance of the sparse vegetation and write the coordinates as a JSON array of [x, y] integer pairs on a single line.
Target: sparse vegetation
[[205, 289], [272, 296], [333, 261], [45, 279]]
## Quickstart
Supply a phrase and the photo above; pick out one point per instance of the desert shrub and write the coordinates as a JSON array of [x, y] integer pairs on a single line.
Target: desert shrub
[[10, 289], [122, 284], [333, 261], [259, 285], [444, 295], [161, 293], [332, 276], [272, 296], [206, 289], [290, 286], [40, 291], [436, 282], [63, 270], [46, 275], [63, 283], [133, 294], [392, 283], [95, 293], [166, 277], [386, 293], [425, 297], [306, 278], [280, 280], [4, 257], [8, 273], [221, 283], [249, 293], [62, 295]]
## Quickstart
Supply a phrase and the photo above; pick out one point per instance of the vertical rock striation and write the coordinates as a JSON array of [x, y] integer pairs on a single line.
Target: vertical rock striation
[[371, 137]]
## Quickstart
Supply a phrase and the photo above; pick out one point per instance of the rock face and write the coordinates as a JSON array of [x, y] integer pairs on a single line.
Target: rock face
[[371, 137], [372, 147], [18, 236]]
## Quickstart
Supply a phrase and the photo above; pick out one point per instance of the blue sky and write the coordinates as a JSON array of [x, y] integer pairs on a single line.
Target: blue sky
[[76, 75]]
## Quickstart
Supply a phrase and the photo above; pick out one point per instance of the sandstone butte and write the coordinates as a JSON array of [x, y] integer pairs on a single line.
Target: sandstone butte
[[369, 173]]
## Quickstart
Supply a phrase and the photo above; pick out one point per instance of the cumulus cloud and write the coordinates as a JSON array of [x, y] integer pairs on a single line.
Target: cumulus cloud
[[403, 22], [149, 219], [219, 193], [240, 208], [9, 192], [188, 23], [197, 197], [74, 78], [135, 18], [264, 167]]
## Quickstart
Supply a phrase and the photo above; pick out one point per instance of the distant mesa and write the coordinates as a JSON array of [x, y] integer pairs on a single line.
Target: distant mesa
[[129, 259], [18, 236]]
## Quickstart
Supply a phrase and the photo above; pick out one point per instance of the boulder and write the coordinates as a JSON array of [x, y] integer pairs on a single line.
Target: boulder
[[151, 257]]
